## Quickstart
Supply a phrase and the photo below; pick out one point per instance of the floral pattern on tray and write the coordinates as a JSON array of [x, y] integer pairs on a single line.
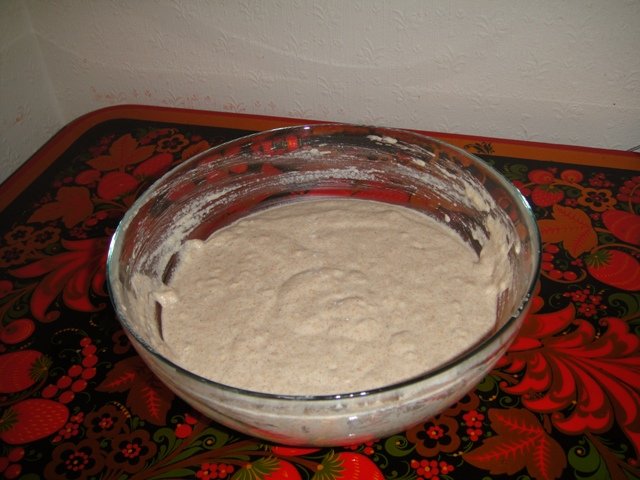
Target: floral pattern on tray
[[77, 402]]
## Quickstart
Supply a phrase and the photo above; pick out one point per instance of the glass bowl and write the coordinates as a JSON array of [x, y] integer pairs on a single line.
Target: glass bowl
[[218, 186]]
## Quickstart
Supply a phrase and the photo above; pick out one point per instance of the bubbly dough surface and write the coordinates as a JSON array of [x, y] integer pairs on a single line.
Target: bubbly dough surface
[[325, 297]]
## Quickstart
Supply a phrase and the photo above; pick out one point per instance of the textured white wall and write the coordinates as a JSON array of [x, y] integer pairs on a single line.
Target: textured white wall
[[29, 115], [561, 72]]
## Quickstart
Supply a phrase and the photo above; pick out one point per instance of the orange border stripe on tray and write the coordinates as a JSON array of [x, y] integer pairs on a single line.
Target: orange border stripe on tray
[[58, 144]]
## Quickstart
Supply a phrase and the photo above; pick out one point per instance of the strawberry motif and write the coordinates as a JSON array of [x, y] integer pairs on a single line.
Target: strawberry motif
[[282, 451], [542, 177], [284, 471], [615, 268], [572, 176], [32, 419], [17, 331], [22, 369], [347, 466], [624, 225], [546, 195]]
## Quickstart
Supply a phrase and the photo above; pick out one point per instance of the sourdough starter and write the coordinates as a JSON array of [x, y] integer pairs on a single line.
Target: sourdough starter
[[325, 297]]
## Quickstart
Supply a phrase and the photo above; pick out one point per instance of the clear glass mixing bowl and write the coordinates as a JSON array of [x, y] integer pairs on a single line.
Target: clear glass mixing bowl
[[266, 169]]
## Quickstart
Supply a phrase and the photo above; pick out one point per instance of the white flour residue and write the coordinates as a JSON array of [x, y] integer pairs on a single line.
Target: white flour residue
[[385, 139]]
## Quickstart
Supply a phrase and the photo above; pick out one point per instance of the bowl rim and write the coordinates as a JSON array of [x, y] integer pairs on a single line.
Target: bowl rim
[[381, 131]]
